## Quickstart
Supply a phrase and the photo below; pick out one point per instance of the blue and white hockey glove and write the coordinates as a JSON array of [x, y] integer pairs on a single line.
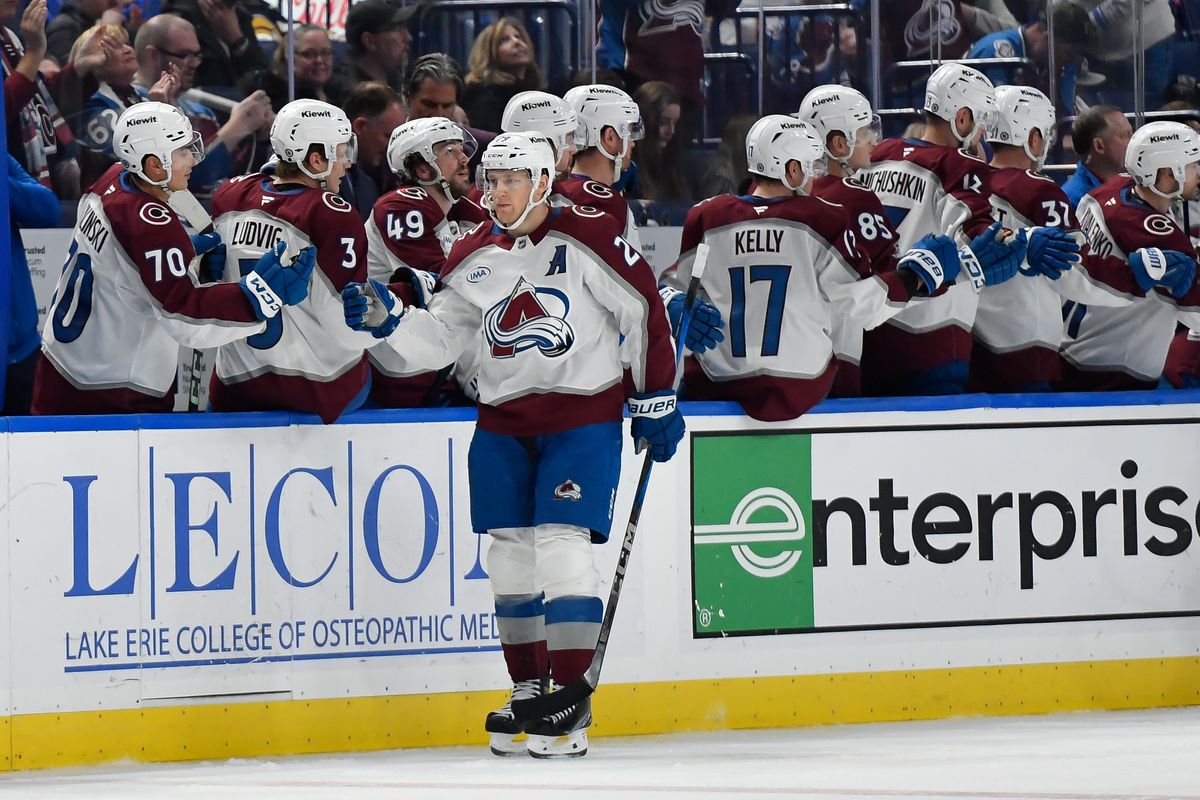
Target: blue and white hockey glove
[[993, 258], [1052, 251], [203, 242], [704, 330], [212, 252], [657, 423], [1171, 269], [371, 307], [422, 282], [272, 285], [934, 259]]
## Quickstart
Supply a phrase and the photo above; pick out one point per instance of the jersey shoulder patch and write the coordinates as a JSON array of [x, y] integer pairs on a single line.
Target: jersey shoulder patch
[[336, 203]]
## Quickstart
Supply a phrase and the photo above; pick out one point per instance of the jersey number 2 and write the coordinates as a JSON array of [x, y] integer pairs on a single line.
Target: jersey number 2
[[778, 276]]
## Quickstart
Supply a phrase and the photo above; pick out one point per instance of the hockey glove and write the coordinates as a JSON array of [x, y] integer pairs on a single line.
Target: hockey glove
[[423, 283], [203, 242], [992, 258], [371, 307], [935, 261], [1052, 251], [272, 285], [657, 423], [1171, 269], [704, 330], [212, 265]]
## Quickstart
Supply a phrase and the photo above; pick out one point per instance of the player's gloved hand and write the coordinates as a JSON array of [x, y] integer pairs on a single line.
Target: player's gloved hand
[[423, 283], [272, 285], [371, 307], [203, 242], [1052, 251], [704, 328], [657, 423], [993, 257], [935, 260], [212, 265], [1171, 269]]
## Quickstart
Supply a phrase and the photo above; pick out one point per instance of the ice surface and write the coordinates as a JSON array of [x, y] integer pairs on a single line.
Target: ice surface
[[1142, 754]]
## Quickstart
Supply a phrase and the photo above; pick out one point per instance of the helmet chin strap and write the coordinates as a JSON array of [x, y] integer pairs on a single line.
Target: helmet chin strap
[[321, 178], [1179, 176], [616, 159]]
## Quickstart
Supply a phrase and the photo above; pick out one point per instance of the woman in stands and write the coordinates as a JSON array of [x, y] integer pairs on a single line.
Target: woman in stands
[[500, 66], [659, 156], [314, 71]]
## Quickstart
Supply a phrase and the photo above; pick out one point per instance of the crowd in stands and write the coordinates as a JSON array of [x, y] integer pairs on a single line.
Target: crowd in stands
[[73, 66]]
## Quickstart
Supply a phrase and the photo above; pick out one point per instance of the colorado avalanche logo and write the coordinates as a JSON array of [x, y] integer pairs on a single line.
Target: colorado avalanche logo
[[529, 318], [662, 16]]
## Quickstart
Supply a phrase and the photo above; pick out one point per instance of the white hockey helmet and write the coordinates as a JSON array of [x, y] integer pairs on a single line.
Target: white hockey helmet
[[775, 140], [954, 86], [419, 137], [1021, 110], [1159, 145], [552, 117], [303, 123], [839, 109], [153, 129], [600, 107], [517, 151]]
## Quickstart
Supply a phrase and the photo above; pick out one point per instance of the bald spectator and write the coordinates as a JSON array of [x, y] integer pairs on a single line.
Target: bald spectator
[[76, 17], [226, 29], [1099, 136], [168, 43], [374, 111], [377, 37]]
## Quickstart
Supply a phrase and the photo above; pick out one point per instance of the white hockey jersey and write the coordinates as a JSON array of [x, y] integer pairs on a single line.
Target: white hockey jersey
[[125, 302], [307, 359], [547, 312], [1125, 347]]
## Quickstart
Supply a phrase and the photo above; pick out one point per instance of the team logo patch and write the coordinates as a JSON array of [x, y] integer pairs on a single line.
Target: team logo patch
[[478, 274], [597, 190], [155, 214], [1004, 49], [1158, 225], [568, 490], [587, 212], [334, 202], [530, 318], [412, 192]]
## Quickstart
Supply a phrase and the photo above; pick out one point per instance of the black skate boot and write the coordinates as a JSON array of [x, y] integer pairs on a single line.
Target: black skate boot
[[503, 727], [561, 735]]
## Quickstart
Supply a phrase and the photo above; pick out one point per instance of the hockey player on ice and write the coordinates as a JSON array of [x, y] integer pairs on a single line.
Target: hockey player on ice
[[546, 294], [789, 264], [1019, 325], [1131, 231], [935, 185], [306, 360], [408, 237], [127, 297]]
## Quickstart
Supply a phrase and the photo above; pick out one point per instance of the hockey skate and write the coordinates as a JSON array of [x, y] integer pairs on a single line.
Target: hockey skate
[[502, 726], [561, 735]]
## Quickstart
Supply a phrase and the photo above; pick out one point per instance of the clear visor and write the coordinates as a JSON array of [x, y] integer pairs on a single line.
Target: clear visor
[[493, 180], [1191, 172], [633, 130], [194, 148], [985, 118], [817, 169], [351, 150], [871, 133], [464, 149]]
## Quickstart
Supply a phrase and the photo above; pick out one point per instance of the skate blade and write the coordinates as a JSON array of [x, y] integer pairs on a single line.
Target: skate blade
[[572, 745], [505, 745]]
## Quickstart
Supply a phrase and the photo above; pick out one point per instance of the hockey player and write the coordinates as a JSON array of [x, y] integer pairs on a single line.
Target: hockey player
[[1129, 219], [935, 185], [789, 262], [127, 299], [546, 294], [1018, 326], [306, 360], [409, 235]]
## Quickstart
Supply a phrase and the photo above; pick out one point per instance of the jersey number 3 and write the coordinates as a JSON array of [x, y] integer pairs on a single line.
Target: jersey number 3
[[777, 276]]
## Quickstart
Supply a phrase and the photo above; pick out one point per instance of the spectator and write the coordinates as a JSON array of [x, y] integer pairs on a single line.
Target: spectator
[[374, 111], [432, 88], [1073, 33], [378, 39], [501, 65], [168, 41], [727, 172], [1115, 45], [229, 47], [45, 151], [1099, 136], [76, 17], [606, 77], [93, 125], [660, 154], [314, 71], [30, 205]]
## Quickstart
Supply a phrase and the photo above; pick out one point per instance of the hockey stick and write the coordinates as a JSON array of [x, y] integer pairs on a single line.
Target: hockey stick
[[575, 691], [187, 206]]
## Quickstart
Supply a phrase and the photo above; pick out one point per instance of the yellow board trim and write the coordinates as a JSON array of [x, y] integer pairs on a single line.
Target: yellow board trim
[[240, 730]]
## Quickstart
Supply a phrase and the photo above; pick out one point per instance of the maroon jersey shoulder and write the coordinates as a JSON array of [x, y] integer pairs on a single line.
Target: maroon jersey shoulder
[[589, 225], [1029, 193], [407, 199], [139, 220], [586, 192], [847, 192], [947, 163], [1133, 223]]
